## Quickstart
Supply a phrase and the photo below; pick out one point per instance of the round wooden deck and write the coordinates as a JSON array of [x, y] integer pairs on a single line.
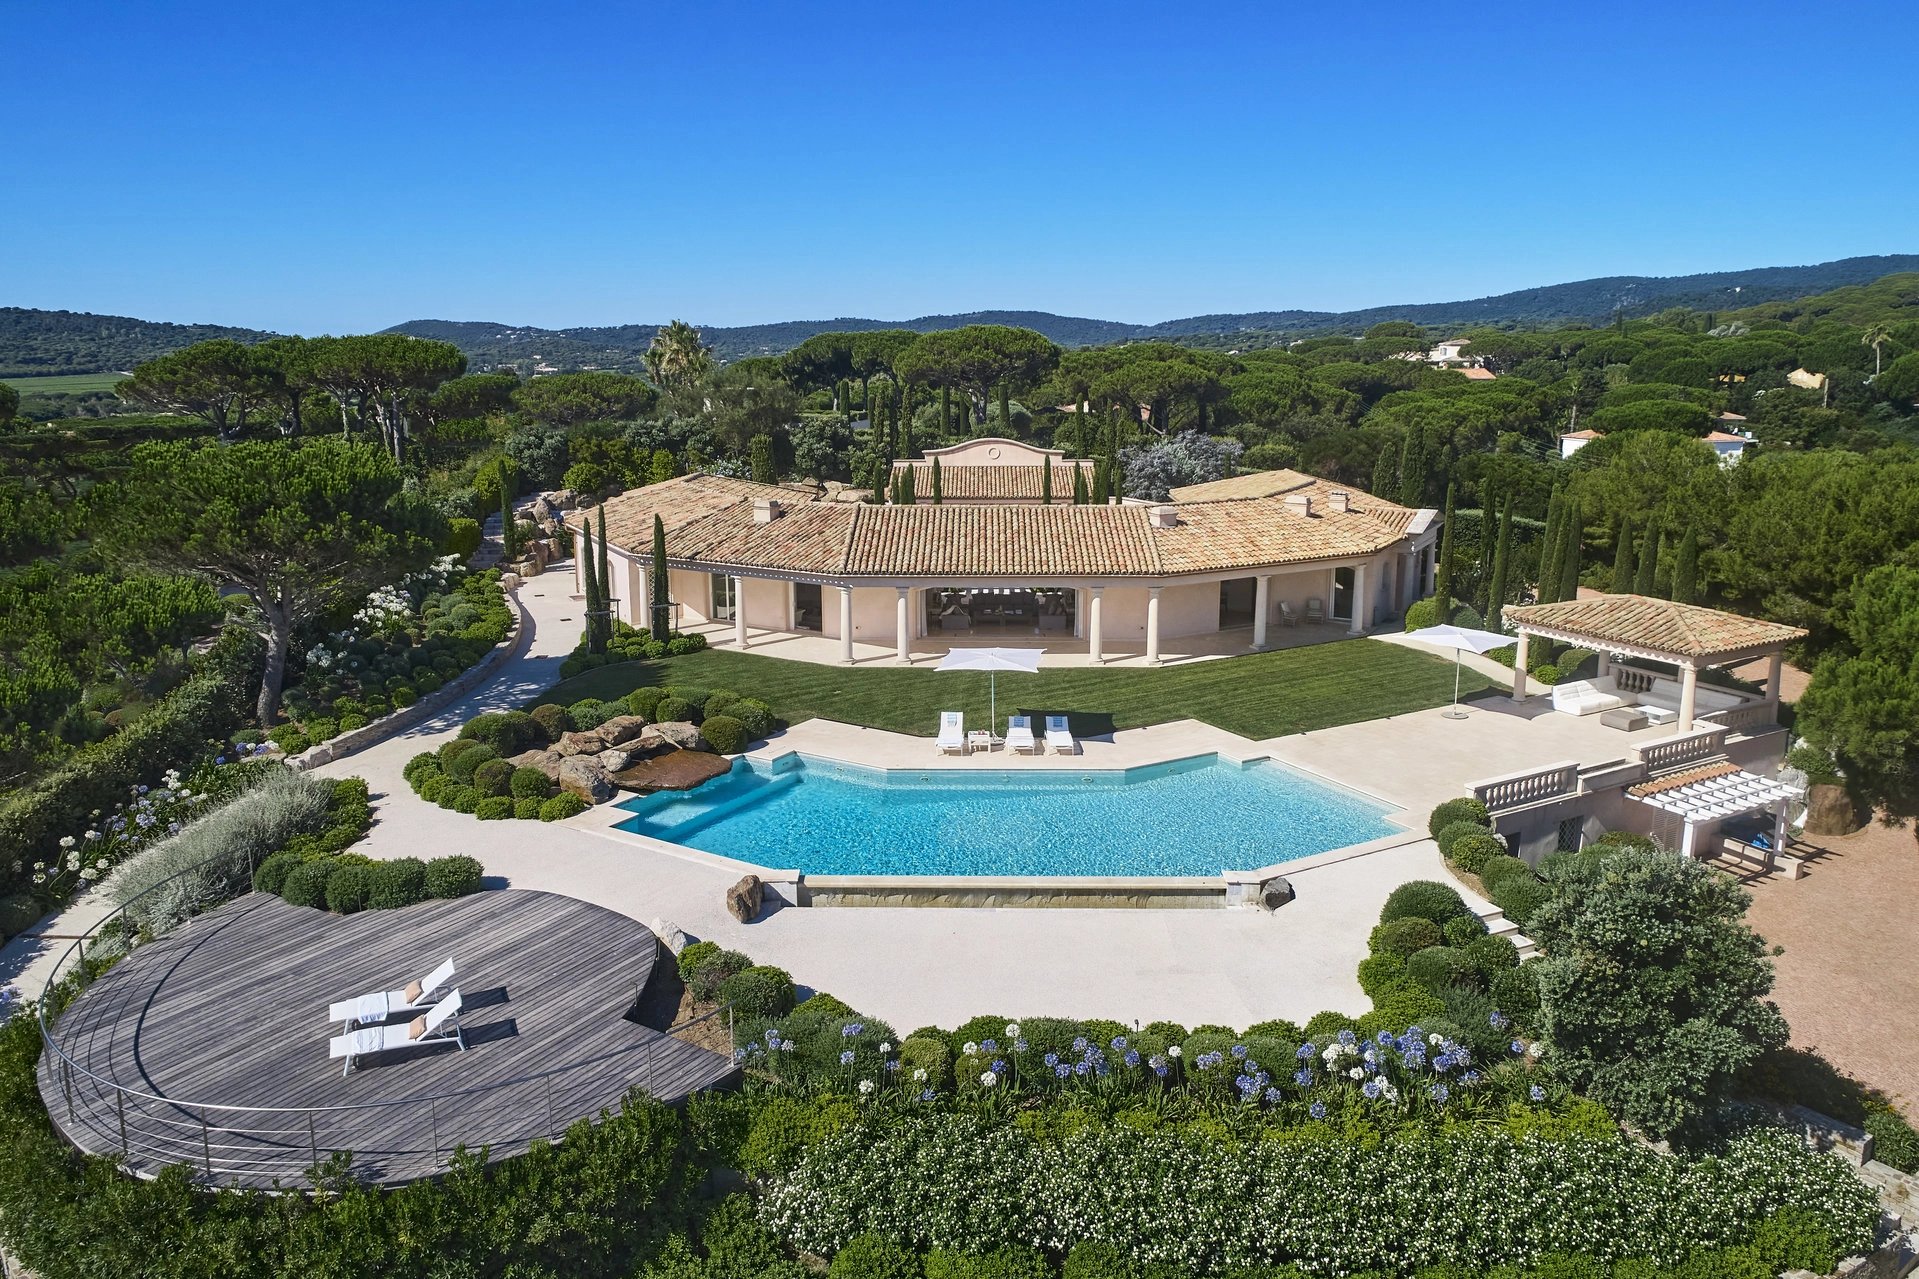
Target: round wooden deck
[[209, 1046]]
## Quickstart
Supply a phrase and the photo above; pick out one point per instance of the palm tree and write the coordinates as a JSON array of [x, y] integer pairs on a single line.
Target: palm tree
[[1875, 337], [677, 356]]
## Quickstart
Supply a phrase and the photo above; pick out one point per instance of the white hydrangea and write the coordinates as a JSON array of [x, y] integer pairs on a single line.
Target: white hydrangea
[[988, 1079]]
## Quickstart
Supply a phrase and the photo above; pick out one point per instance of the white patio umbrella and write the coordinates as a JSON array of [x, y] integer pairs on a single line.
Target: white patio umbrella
[[1459, 639], [993, 660]]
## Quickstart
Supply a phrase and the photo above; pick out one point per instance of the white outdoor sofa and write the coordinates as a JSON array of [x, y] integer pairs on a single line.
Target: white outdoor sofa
[[1591, 696], [1587, 696]]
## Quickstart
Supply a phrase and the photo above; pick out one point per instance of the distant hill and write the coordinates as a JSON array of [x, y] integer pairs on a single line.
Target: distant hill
[[37, 343], [42, 342], [1892, 299]]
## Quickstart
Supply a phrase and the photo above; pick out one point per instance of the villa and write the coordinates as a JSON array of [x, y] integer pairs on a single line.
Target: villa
[[993, 560]]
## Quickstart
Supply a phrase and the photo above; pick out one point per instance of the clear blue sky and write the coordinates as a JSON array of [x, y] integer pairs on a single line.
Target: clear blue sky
[[345, 166]]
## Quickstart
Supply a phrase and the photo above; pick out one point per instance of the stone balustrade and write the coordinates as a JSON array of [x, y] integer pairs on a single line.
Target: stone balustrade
[[1530, 787]]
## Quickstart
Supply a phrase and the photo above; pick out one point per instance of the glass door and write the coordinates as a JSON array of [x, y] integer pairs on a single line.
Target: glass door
[[724, 602], [806, 606], [1343, 594]]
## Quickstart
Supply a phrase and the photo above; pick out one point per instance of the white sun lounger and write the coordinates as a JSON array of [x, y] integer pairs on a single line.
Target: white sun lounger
[[371, 1009], [1059, 738], [440, 1024], [1019, 734], [952, 733]]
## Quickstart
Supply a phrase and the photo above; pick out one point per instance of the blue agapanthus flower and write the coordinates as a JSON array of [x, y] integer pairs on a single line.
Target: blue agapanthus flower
[[1079, 1044], [1132, 1057], [988, 1046], [1119, 1043], [998, 1067], [1239, 1052], [1019, 1045], [1303, 1077], [1080, 1068], [1518, 1047], [1062, 1069], [1499, 1020], [926, 1094], [1371, 1089], [1306, 1052], [1317, 1110], [851, 1029], [846, 1058], [1470, 1077], [1051, 1059], [1274, 1096], [1439, 1093], [1348, 1038], [1536, 1093]]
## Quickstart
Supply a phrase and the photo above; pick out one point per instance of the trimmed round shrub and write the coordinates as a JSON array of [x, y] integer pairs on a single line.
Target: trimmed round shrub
[[1380, 973], [673, 710], [1518, 898], [644, 700], [552, 719], [871, 1257], [590, 712], [1491, 956], [1327, 1023], [724, 734], [1463, 809], [1422, 613], [507, 732], [428, 682], [464, 764], [268, 877], [400, 882], [289, 739], [1404, 937], [462, 799], [759, 991], [693, 954], [1471, 852], [930, 1054], [1452, 832], [455, 876], [450, 751], [434, 787], [1437, 967], [529, 783], [821, 1004], [681, 645], [1399, 1008], [713, 970], [527, 808], [404, 695], [1423, 899], [494, 808], [1464, 931], [421, 766], [305, 884], [757, 716], [561, 807], [1516, 992], [692, 694], [1497, 870], [718, 701], [1626, 841], [347, 888], [349, 723], [493, 777], [1548, 673], [321, 729]]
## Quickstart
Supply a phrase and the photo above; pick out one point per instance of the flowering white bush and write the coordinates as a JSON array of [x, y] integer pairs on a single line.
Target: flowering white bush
[[1476, 1198]]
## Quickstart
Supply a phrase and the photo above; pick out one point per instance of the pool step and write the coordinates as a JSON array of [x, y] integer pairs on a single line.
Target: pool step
[[696, 814]]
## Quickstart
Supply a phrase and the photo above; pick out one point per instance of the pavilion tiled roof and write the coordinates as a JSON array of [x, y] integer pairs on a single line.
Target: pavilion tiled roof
[[1663, 626], [999, 541], [1673, 781], [977, 483]]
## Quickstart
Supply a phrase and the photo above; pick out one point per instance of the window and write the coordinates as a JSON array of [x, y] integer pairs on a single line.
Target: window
[[806, 606], [1572, 832], [1343, 594], [724, 600]]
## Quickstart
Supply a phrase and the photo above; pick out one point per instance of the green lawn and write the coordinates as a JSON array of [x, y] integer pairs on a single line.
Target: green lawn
[[65, 383], [1259, 695]]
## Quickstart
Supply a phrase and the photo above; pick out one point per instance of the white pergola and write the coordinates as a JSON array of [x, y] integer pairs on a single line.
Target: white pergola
[[1728, 791]]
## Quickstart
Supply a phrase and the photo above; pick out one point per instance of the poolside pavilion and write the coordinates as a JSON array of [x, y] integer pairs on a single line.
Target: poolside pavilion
[[1000, 565], [1688, 637]]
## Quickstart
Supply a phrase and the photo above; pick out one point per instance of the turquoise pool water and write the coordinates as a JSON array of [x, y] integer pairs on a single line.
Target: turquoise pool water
[[1189, 817]]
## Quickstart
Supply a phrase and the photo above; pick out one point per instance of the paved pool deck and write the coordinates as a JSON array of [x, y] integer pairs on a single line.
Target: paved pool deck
[[914, 966]]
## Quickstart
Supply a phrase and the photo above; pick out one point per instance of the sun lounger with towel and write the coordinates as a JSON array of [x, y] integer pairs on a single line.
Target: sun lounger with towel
[[440, 1024], [952, 733], [1059, 738], [372, 1009], [1019, 734]]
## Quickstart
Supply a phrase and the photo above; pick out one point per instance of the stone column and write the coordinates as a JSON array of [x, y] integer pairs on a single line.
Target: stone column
[[579, 564], [846, 624], [1519, 668], [1093, 635], [1775, 669], [1688, 696], [903, 642], [739, 612], [1152, 625], [1605, 665], [1262, 604], [1362, 601]]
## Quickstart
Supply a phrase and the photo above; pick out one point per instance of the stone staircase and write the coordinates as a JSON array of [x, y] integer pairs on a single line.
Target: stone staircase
[[1497, 925], [491, 552]]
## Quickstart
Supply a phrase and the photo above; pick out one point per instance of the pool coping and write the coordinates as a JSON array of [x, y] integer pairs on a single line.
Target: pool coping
[[1231, 888]]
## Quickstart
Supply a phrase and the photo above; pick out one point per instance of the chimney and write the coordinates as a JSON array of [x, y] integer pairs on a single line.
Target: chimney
[[1302, 503], [1164, 516], [766, 510], [1340, 500]]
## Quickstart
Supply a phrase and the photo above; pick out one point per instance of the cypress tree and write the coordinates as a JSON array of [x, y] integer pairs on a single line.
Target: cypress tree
[[1006, 409], [1488, 550], [909, 483], [1549, 548], [1685, 573], [1443, 583], [762, 462], [1412, 468], [1622, 562], [1662, 575], [1046, 480], [1642, 583], [660, 607], [1385, 474], [1569, 552], [938, 490], [1102, 483], [1079, 485], [1502, 561], [606, 585], [946, 412], [594, 593]]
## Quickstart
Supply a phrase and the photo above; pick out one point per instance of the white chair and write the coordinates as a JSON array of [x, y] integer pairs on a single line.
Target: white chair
[[374, 1008], [1059, 738], [1019, 734], [1315, 610], [440, 1024], [952, 733], [1287, 617]]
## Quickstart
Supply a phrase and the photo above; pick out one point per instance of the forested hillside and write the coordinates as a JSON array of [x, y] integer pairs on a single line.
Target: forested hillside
[[37, 343]]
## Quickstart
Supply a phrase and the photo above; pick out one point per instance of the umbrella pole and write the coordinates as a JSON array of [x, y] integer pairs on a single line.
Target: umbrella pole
[[992, 703], [1455, 712]]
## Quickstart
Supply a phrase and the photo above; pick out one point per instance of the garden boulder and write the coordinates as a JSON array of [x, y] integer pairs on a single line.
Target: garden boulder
[[547, 762], [679, 734], [617, 731], [582, 775], [671, 935], [614, 759], [1831, 810], [744, 899], [1275, 892]]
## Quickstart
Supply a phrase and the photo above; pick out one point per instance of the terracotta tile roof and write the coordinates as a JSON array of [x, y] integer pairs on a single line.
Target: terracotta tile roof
[[1726, 437], [1587, 434], [803, 539], [1248, 533], [1278, 483], [1685, 630], [1479, 375], [999, 541], [993, 483], [678, 502], [1686, 777]]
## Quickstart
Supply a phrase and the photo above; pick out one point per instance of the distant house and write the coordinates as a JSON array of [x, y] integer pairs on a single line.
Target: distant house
[[1449, 352], [1808, 380], [1728, 446], [1572, 441], [1474, 373]]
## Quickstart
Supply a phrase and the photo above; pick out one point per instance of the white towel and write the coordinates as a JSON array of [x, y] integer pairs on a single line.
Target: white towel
[[366, 1041], [370, 1009]]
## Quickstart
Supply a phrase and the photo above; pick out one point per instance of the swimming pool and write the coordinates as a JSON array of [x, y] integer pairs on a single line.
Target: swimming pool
[[1195, 816]]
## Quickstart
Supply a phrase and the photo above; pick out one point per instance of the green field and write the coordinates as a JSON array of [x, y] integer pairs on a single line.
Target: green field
[[1257, 696], [64, 384]]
